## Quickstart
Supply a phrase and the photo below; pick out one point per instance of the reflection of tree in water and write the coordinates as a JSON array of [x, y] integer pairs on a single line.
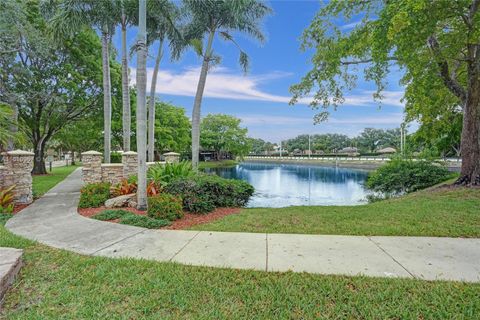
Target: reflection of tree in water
[[313, 173]]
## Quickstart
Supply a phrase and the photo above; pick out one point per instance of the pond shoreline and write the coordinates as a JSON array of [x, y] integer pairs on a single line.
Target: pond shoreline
[[370, 165]]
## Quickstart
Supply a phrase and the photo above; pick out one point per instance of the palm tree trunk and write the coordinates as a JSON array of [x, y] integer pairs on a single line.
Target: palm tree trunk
[[198, 102], [126, 116], [13, 127], [151, 105], [107, 98], [141, 107]]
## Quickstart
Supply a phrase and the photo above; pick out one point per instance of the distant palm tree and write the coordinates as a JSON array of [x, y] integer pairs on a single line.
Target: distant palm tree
[[162, 28], [70, 16], [141, 49], [207, 18]]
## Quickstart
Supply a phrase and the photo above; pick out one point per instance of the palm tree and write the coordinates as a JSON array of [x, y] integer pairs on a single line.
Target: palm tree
[[72, 15], [209, 18], [141, 48], [161, 28], [126, 113]]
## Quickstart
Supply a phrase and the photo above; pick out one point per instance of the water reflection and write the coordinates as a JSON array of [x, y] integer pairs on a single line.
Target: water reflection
[[281, 185]]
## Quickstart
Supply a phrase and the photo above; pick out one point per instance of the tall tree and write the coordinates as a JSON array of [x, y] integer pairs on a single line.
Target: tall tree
[[207, 19], [223, 134], [72, 15], [161, 28], [141, 47], [172, 127], [435, 42], [54, 82]]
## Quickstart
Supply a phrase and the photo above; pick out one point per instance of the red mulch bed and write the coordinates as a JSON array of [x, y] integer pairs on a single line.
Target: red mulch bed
[[188, 220], [19, 207]]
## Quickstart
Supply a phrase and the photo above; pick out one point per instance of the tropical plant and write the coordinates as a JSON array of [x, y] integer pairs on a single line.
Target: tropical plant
[[207, 19], [433, 42], [6, 200], [123, 188], [161, 15], [163, 174]]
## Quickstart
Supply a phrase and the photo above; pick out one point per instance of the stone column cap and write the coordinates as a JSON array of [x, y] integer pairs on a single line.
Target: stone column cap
[[129, 153], [91, 153], [171, 154], [19, 152]]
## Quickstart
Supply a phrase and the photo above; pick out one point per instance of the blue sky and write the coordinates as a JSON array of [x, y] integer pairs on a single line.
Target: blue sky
[[261, 97]]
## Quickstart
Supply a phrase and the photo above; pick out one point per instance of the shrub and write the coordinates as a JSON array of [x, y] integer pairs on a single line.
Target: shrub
[[6, 200], [163, 174], [143, 221], [202, 193], [165, 206], [403, 176], [115, 157], [94, 195]]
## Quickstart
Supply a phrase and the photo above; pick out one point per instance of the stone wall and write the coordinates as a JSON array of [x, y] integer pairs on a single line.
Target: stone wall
[[17, 171], [94, 171]]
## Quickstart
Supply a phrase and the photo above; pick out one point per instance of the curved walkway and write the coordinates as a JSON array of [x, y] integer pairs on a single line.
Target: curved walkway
[[53, 220]]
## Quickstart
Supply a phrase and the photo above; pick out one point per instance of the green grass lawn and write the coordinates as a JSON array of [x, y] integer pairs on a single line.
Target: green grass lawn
[[56, 284], [434, 212], [217, 164], [43, 183]]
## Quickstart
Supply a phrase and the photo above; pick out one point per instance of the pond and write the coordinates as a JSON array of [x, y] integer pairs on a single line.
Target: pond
[[283, 185]]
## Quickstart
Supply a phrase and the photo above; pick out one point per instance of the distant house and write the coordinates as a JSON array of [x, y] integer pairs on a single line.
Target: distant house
[[387, 150], [351, 151]]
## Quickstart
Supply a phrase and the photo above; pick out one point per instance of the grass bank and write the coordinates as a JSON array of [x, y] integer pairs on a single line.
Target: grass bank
[[56, 284], [42, 183], [217, 164], [438, 212]]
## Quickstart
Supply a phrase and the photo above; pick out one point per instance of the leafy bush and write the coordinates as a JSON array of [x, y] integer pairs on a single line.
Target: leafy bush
[[94, 195], [144, 221], [132, 219], [163, 174], [115, 157], [6, 200], [403, 176], [165, 206], [202, 193]]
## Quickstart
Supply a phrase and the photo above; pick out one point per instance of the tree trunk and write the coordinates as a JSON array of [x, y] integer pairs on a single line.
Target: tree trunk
[[73, 157], [39, 160], [141, 107], [107, 98], [126, 115], [470, 146], [151, 105], [198, 102], [13, 127]]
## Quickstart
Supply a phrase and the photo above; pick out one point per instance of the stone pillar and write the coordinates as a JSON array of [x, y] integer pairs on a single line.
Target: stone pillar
[[172, 157], [92, 167], [130, 164], [18, 172]]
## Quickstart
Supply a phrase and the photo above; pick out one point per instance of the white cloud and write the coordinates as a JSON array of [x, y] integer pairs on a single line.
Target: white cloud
[[223, 83]]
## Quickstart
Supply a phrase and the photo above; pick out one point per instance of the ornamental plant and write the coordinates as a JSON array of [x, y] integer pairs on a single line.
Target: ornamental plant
[[165, 206], [6, 200]]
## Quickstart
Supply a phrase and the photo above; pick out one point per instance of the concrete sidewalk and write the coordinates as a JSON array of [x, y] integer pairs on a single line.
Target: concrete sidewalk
[[53, 220]]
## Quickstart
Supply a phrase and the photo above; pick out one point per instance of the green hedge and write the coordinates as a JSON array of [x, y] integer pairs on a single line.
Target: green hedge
[[165, 206], [203, 193]]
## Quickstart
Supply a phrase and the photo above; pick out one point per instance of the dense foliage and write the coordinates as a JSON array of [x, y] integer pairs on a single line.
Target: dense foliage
[[222, 133], [172, 128], [434, 42], [163, 174], [165, 206], [94, 195], [6, 200], [202, 193], [403, 176]]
